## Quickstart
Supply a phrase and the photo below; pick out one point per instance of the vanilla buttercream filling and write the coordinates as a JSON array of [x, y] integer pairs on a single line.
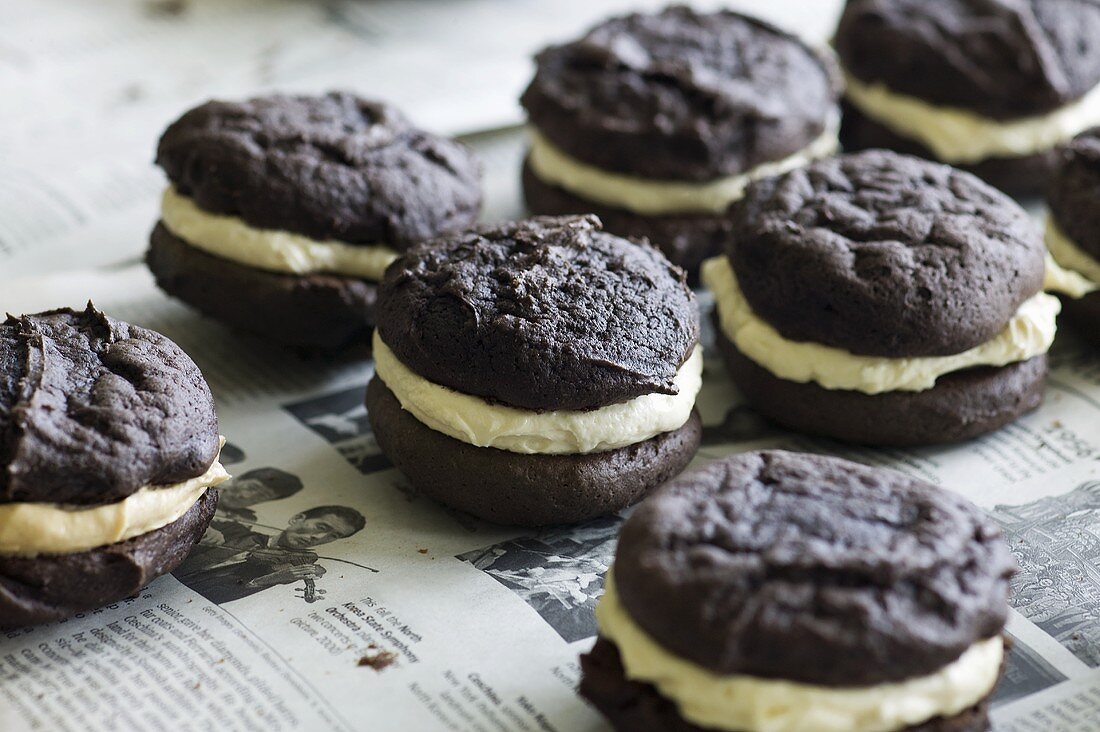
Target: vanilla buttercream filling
[[662, 197], [229, 237], [957, 135], [33, 529], [742, 703], [1076, 272], [1028, 334], [475, 421]]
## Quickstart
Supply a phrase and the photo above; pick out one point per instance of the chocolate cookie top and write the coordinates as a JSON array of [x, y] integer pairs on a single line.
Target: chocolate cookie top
[[329, 167], [544, 314], [812, 569], [93, 409], [1002, 59], [884, 254], [1074, 195], [681, 95]]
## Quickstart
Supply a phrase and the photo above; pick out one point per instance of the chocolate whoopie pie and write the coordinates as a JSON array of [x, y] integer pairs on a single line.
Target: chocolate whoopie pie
[[108, 450], [991, 87], [283, 212], [884, 299], [783, 592], [657, 122], [1073, 231], [536, 372]]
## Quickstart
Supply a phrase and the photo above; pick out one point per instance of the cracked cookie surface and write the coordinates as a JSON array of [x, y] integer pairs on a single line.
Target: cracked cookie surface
[[547, 313], [93, 409]]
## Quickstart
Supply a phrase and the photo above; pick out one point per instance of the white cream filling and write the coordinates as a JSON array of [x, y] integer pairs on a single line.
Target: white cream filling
[[660, 197], [229, 237], [749, 704], [32, 529], [477, 422], [1029, 333], [958, 135], [1075, 273]]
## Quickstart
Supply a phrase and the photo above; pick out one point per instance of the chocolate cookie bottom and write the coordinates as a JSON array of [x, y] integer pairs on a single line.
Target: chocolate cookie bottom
[[524, 490], [1084, 315], [1027, 175], [311, 311], [962, 405], [40, 589], [639, 707], [685, 239]]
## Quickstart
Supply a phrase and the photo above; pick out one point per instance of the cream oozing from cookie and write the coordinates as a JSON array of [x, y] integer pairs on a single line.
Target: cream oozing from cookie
[[475, 421], [744, 703], [229, 237], [957, 135], [1028, 334], [34, 529], [1076, 272], [652, 197]]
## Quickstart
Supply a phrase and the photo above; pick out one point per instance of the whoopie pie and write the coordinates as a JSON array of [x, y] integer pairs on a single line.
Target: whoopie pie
[[656, 122], [991, 87], [536, 372], [108, 452], [783, 592], [884, 299], [282, 212], [1073, 230]]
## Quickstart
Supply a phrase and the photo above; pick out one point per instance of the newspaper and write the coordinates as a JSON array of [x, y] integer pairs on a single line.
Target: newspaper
[[87, 88], [422, 618], [428, 619]]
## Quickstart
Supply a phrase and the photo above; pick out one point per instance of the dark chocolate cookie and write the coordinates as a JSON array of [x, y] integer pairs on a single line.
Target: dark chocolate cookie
[[525, 490], [40, 589], [884, 254], [1028, 175], [319, 311], [962, 405], [1074, 195], [686, 239], [813, 569], [543, 314], [681, 95], [632, 706], [1084, 315], [93, 409], [1000, 59], [330, 167]]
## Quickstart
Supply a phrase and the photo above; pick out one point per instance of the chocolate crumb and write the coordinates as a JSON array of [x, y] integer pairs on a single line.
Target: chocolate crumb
[[379, 660]]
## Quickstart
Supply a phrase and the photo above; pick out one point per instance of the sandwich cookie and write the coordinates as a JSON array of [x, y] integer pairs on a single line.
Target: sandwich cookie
[[657, 123], [990, 87], [884, 299], [536, 372], [282, 212], [1073, 230], [108, 451], [783, 592]]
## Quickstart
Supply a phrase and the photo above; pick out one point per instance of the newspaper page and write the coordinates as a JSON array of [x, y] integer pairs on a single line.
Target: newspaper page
[[394, 613], [88, 87]]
